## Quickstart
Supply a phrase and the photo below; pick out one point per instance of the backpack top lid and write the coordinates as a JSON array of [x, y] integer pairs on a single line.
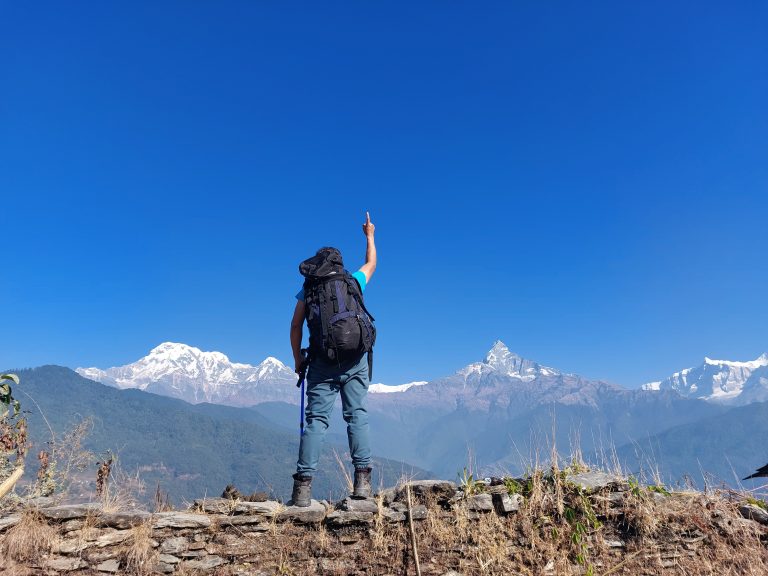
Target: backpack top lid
[[326, 262]]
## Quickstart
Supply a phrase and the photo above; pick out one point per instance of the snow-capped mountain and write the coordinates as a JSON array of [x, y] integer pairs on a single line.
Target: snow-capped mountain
[[501, 361], [722, 381], [188, 373]]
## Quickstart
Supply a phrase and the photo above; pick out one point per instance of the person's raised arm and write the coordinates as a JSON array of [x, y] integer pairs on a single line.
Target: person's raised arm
[[297, 326], [370, 251]]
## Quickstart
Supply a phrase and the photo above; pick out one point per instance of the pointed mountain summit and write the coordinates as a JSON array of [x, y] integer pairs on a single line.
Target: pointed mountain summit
[[721, 381], [182, 371], [500, 360]]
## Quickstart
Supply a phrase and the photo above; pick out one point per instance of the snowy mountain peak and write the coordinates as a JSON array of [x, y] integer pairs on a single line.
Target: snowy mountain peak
[[499, 354], [501, 360], [725, 381], [186, 372]]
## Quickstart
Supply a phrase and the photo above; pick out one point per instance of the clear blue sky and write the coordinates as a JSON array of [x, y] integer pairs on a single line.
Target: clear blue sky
[[587, 181]]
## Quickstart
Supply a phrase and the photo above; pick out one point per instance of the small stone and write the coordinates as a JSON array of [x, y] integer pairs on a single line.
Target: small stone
[[8, 521], [614, 543], [352, 505], [752, 512], [199, 545], [65, 564], [193, 554], [393, 515], [418, 512], [174, 545], [506, 503], [164, 567], [206, 563], [181, 520], [480, 502], [112, 538], [168, 559], [335, 566], [596, 480], [111, 566], [71, 546]]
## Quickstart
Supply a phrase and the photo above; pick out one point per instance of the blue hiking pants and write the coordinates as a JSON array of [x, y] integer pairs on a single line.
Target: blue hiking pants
[[323, 384]]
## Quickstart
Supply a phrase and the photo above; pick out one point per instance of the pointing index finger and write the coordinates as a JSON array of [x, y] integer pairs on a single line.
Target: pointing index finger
[[367, 218]]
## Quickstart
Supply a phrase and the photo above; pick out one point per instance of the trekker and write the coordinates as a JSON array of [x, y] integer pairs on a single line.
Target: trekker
[[341, 338]]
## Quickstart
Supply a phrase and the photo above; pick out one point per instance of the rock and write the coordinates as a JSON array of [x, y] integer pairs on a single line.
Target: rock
[[339, 518], [614, 543], [241, 520], [124, 520], [752, 512], [335, 566], [61, 564], [596, 480], [72, 546], [215, 505], [41, 502], [451, 573], [164, 567], [193, 554], [112, 538], [351, 505], [312, 514], [8, 521], [174, 545], [440, 490], [480, 502], [506, 504], [207, 563], [399, 506], [393, 515], [418, 512], [168, 559], [267, 508], [111, 566], [180, 520], [71, 511]]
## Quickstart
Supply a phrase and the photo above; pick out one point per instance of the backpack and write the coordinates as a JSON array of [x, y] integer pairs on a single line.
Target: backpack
[[340, 327]]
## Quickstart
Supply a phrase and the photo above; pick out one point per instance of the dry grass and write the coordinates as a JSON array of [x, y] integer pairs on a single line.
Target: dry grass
[[139, 553], [29, 539]]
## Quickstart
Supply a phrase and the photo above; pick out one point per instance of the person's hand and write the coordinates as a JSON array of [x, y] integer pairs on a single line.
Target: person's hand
[[368, 227]]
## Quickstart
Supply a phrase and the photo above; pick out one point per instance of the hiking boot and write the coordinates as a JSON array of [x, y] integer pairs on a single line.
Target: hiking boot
[[302, 491], [362, 487]]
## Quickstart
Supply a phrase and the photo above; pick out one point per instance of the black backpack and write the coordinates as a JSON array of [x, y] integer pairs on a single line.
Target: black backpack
[[340, 327]]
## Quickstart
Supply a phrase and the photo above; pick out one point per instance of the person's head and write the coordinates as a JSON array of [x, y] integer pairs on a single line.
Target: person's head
[[329, 252]]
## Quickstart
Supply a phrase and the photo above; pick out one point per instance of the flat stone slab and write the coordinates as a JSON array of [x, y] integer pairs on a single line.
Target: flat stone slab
[[312, 514], [65, 564], [124, 520], [352, 505], [267, 508], [752, 512], [339, 518], [596, 480], [180, 520], [418, 512], [241, 520], [71, 511], [110, 566], [206, 563]]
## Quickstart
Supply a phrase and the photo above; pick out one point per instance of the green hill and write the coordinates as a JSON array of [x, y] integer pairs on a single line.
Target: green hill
[[190, 450]]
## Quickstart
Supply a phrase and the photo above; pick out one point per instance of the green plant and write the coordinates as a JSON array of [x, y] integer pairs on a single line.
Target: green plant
[[468, 484], [513, 486], [658, 488], [757, 502]]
